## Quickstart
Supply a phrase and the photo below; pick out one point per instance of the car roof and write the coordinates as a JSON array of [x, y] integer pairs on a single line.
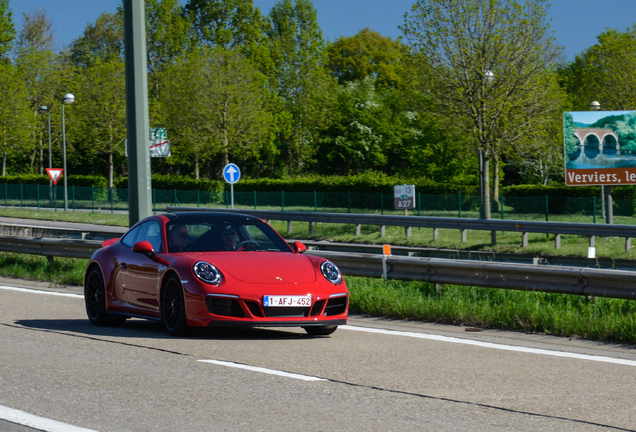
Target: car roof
[[222, 217]]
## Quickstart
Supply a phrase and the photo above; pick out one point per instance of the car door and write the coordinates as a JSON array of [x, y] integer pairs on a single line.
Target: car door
[[139, 273]]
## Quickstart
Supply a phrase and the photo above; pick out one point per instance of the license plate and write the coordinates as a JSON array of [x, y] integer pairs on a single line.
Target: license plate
[[289, 301]]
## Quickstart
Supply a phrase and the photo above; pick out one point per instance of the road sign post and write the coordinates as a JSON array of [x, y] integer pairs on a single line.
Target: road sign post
[[231, 174]]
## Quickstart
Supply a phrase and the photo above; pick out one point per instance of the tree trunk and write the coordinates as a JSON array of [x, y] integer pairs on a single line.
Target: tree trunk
[[111, 169], [486, 198], [495, 178]]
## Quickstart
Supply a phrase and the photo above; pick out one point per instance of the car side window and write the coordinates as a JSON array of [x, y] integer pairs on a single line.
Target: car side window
[[129, 238], [151, 232]]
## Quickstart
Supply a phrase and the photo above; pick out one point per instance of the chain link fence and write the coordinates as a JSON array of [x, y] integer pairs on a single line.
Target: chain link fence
[[583, 209]]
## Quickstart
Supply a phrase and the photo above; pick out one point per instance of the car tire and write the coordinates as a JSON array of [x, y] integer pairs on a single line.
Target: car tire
[[173, 312], [95, 300], [320, 330]]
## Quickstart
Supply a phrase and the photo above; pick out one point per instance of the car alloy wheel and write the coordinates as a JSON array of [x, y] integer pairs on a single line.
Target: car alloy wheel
[[173, 307]]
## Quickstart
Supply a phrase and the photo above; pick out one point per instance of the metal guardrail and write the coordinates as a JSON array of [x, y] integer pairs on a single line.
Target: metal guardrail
[[462, 224], [566, 280], [528, 277]]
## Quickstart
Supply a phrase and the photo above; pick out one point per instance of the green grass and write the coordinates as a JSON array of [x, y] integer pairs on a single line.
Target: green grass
[[535, 312]]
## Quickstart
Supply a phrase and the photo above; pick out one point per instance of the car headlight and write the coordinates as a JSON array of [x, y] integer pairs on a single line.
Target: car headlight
[[207, 273], [331, 272]]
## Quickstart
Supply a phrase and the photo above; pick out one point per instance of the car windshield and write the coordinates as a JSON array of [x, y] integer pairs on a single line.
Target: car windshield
[[222, 233]]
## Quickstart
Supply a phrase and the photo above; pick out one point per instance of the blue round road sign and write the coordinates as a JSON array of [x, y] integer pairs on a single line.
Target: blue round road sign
[[231, 173]]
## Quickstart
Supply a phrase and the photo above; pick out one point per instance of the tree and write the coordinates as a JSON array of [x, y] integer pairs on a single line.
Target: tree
[[367, 53], [168, 34], [102, 41], [7, 29], [40, 70], [36, 33], [218, 109], [484, 61], [300, 80], [605, 72], [99, 120], [15, 116]]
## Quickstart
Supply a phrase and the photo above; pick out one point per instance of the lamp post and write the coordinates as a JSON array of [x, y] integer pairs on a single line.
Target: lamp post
[[607, 209], [67, 99], [45, 110]]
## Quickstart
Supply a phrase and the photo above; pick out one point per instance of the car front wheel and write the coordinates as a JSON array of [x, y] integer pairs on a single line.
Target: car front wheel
[[173, 307]]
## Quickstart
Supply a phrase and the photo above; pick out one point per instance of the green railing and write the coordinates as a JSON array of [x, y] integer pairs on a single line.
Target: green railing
[[583, 209]]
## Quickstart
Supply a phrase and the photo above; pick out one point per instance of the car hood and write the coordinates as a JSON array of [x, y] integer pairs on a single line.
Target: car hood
[[263, 267]]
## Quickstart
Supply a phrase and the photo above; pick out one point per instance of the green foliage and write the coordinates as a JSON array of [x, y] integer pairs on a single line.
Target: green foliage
[[7, 30], [604, 72], [365, 54], [102, 41], [369, 181], [169, 182]]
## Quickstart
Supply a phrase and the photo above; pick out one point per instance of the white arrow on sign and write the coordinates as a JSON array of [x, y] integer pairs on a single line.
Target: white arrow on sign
[[231, 173]]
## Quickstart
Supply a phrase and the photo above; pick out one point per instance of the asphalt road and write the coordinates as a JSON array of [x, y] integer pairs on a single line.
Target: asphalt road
[[371, 375]]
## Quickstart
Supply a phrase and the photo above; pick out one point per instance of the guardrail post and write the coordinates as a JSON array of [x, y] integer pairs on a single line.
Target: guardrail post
[[592, 241], [628, 244], [557, 241], [382, 230], [289, 227], [407, 232], [435, 234], [493, 236], [311, 227], [464, 235], [358, 230], [524, 239]]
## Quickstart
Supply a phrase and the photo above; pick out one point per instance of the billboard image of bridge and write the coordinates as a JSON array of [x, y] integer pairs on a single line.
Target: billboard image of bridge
[[600, 147]]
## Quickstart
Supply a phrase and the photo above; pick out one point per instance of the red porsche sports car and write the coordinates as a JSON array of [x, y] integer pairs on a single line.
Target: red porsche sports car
[[197, 269]]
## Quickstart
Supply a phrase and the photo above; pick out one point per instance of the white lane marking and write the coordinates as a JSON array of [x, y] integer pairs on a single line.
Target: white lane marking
[[491, 345], [263, 370], [34, 291], [438, 338], [40, 423]]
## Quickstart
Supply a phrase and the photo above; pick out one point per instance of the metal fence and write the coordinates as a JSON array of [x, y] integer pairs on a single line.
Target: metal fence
[[587, 209]]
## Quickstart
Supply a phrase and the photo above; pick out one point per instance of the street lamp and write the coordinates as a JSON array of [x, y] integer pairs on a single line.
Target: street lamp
[[45, 110], [607, 209], [68, 99]]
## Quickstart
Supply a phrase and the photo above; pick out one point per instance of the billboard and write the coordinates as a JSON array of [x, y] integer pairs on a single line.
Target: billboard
[[599, 147]]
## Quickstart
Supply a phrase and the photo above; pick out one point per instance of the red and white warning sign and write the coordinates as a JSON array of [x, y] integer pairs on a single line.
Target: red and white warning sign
[[55, 174]]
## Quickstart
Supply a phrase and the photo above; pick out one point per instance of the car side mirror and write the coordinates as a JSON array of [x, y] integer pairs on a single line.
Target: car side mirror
[[143, 247], [299, 247]]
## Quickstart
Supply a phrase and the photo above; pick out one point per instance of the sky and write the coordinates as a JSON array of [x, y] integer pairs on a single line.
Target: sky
[[576, 23]]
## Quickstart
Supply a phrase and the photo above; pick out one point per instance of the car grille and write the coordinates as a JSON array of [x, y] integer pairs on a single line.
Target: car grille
[[336, 306], [224, 307], [230, 307], [286, 312]]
